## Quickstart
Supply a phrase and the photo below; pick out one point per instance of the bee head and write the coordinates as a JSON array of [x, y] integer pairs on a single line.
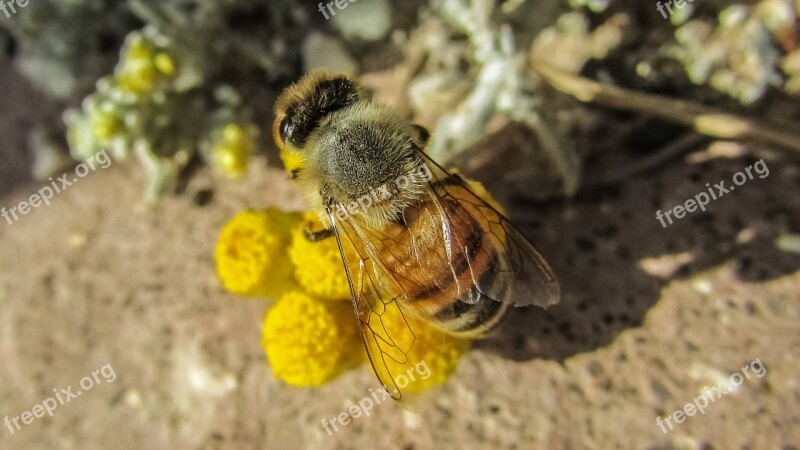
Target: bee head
[[346, 151], [303, 105]]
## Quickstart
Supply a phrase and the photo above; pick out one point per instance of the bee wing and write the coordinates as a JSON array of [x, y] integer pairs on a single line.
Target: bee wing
[[518, 274], [390, 318], [392, 337]]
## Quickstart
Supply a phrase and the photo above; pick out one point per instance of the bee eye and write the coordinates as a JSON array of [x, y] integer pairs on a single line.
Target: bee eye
[[285, 129]]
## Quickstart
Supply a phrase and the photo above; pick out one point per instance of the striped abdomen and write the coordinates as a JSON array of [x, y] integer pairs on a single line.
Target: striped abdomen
[[443, 257]]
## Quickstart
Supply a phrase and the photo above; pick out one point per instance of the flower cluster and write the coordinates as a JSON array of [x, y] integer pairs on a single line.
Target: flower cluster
[[248, 253], [232, 144], [310, 334], [152, 106]]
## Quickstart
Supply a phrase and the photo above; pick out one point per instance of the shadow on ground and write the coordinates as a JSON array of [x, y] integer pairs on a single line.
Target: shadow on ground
[[596, 241]]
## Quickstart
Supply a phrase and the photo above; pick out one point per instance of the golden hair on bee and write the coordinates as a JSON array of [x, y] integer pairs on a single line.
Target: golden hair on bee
[[358, 157], [301, 106], [428, 250]]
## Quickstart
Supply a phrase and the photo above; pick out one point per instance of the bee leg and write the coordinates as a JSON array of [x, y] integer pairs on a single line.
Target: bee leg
[[315, 236], [423, 135]]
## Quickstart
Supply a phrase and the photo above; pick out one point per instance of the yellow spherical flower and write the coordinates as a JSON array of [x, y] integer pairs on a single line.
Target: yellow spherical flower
[[251, 253], [424, 356], [164, 63], [310, 342], [318, 265], [142, 65], [233, 145]]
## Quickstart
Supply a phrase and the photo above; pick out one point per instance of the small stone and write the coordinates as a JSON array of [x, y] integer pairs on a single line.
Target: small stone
[[368, 20], [789, 243], [328, 53]]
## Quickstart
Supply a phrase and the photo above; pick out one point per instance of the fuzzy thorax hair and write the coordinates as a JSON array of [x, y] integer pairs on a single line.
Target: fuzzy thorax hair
[[362, 163]]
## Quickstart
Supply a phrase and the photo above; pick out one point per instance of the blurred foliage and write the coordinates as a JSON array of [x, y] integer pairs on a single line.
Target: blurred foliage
[[740, 55], [63, 46], [176, 91], [180, 80]]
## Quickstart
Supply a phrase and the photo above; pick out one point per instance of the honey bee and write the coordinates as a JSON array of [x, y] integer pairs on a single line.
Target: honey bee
[[427, 247]]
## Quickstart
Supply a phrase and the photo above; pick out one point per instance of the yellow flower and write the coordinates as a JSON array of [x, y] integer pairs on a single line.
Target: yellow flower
[[318, 265], [423, 359], [310, 342], [142, 65], [429, 359], [232, 148], [251, 253], [164, 63]]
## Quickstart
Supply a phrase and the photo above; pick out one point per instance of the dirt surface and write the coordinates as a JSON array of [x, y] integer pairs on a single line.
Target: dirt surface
[[650, 317]]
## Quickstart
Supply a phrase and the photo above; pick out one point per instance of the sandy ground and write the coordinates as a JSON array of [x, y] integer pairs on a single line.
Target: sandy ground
[[649, 318]]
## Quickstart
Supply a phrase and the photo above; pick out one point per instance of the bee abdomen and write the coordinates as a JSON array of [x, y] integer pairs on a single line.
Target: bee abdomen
[[456, 292], [471, 319]]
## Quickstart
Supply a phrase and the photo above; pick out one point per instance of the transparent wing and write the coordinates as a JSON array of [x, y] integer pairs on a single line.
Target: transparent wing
[[453, 250], [519, 274], [396, 340]]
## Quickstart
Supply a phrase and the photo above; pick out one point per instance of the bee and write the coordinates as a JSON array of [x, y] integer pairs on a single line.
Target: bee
[[415, 239]]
